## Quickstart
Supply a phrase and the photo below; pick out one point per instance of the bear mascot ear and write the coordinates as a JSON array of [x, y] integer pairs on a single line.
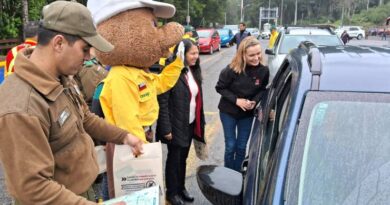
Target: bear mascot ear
[[131, 26]]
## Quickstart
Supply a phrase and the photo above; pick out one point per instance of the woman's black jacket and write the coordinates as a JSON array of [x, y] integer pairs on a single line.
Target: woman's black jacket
[[250, 85], [174, 114]]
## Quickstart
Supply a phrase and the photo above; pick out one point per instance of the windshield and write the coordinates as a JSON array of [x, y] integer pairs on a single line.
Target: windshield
[[290, 42], [223, 32], [346, 156], [204, 34]]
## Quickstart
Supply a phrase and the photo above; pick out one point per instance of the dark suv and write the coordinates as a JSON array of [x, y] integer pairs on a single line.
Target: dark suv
[[329, 142]]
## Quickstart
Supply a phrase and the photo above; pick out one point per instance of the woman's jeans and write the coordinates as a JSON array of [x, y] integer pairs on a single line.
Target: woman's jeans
[[237, 133]]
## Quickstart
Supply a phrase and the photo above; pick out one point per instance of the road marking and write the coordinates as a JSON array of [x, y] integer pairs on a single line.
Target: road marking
[[210, 113], [214, 56]]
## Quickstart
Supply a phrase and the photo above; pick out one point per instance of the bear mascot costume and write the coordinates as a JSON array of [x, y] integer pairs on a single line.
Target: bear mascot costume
[[129, 95]]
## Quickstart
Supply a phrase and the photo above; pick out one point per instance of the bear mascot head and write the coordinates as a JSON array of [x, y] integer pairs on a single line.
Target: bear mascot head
[[132, 27]]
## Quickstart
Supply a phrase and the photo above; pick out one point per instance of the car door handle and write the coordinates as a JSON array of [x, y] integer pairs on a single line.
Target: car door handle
[[244, 166]]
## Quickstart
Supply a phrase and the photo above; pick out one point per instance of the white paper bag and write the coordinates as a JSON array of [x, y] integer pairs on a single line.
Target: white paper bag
[[101, 158], [133, 174]]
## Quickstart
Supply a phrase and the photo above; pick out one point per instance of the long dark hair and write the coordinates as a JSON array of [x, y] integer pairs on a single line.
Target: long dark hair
[[196, 70]]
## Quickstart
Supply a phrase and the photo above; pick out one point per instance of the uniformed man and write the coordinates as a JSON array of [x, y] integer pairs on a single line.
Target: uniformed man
[[92, 73], [45, 142]]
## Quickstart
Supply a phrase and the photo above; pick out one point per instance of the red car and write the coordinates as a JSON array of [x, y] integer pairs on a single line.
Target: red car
[[209, 41]]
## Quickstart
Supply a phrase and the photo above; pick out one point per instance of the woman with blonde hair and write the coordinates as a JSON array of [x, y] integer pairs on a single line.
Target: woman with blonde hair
[[241, 85]]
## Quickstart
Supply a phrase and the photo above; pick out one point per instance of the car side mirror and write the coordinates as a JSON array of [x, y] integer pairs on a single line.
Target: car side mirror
[[269, 51], [220, 185]]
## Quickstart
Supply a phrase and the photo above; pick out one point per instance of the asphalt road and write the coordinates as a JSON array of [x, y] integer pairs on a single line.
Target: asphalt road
[[211, 67]]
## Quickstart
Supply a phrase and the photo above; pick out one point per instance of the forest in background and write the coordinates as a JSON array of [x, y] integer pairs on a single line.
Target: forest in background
[[206, 13]]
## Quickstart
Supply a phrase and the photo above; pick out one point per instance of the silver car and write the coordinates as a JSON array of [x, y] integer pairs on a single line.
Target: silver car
[[254, 32], [290, 38]]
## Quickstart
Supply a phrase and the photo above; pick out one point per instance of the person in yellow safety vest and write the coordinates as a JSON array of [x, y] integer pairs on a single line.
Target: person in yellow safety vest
[[31, 35], [188, 33], [274, 35]]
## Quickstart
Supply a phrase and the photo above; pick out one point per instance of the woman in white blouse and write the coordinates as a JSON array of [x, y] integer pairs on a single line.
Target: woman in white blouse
[[180, 120]]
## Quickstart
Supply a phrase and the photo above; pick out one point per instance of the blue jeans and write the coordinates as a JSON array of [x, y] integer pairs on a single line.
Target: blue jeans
[[105, 187], [235, 142]]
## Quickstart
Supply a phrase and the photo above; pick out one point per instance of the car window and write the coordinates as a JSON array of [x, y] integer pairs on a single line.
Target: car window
[[353, 29], [292, 41], [223, 32], [278, 103], [341, 152], [204, 34]]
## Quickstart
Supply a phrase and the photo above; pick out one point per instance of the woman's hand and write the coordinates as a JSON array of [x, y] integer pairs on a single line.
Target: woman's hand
[[245, 104], [168, 136]]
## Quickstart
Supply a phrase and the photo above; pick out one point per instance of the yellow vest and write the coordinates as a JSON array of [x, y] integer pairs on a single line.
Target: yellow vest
[[272, 39]]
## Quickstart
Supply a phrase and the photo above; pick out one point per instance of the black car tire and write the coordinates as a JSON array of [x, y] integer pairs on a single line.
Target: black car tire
[[360, 36]]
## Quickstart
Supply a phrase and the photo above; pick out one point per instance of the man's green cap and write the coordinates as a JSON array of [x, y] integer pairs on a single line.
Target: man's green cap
[[273, 27], [188, 29], [75, 19]]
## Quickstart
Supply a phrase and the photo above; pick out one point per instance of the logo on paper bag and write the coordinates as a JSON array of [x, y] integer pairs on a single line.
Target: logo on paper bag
[[150, 184]]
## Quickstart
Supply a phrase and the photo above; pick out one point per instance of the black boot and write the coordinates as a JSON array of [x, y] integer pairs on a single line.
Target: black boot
[[175, 200], [186, 196]]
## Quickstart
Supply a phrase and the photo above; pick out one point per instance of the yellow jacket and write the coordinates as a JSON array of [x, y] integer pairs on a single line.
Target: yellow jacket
[[129, 96], [272, 39]]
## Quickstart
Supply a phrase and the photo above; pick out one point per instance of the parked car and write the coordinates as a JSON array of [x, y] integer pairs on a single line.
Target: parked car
[[289, 38], [254, 32], [265, 34], [209, 41], [234, 28], [226, 36], [329, 140], [353, 31]]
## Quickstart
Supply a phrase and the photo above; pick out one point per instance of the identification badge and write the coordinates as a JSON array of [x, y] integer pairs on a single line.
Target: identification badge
[[63, 117]]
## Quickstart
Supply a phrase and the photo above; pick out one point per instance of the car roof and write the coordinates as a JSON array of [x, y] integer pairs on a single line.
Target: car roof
[[308, 31], [353, 68], [205, 29]]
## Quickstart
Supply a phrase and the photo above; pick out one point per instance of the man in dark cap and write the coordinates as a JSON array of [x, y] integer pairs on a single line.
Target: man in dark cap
[[46, 146]]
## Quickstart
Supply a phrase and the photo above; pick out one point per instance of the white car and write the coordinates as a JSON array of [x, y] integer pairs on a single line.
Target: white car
[[266, 34], [292, 37], [353, 32], [254, 32]]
